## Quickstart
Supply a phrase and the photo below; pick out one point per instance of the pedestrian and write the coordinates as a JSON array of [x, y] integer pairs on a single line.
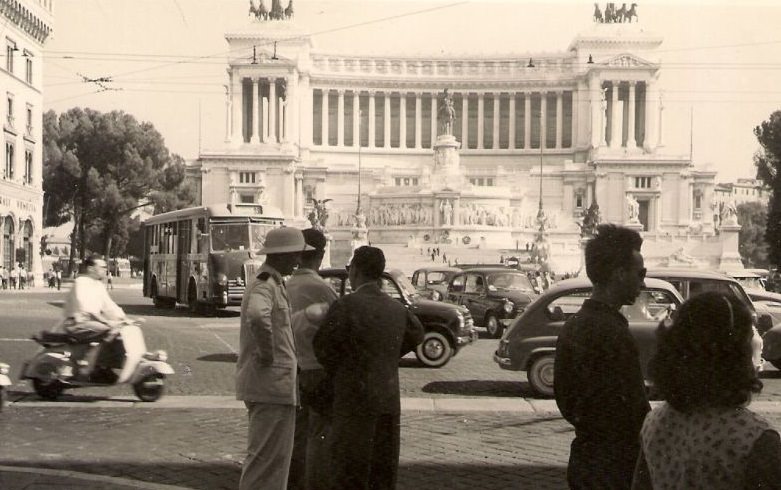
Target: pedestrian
[[598, 382], [58, 273], [30, 279], [433, 255], [359, 345], [13, 276], [22, 276], [703, 435], [266, 366], [109, 280], [3, 277], [444, 258], [309, 468]]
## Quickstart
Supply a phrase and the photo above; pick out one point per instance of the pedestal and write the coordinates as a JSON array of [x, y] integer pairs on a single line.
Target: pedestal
[[730, 255], [447, 170], [635, 225]]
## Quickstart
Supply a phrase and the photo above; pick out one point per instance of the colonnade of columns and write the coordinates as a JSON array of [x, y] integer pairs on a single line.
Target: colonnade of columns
[[624, 113], [502, 118], [266, 115]]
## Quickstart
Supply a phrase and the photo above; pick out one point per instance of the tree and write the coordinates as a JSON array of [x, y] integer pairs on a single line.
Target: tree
[[752, 217], [768, 162], [99, 167]]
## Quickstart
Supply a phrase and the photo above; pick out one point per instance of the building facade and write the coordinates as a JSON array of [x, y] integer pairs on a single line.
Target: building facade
[[27, 23], [741, 191], [566, 130]]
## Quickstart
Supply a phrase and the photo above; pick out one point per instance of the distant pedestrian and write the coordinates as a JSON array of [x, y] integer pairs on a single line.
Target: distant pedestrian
[[310, 296], [109, 280], [433, 256], [444, 258], [30, 279], [13, 276], [21, 276], [58, 276], [3, 277], [359, 345], [703, 435], [266, 368], [598, 381]]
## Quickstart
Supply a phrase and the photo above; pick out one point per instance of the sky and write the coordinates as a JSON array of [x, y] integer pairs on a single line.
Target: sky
[[167, 59]]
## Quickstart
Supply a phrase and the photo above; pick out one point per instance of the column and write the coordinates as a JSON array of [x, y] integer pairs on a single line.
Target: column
[[511, 120], [402, 120], [543, 119], [434, 129], [597, 111], [418, 120], [237, 110], [340, 119], [372, 126], [527, 121], [304, 103], [324, 125], [298, 193], [559, 117], [291, 108], [480, 120], [651, 108], [615, 117], [497, 107], [356, 118], [255, 139], [465, 120], [272, 109], [228, 121], [281, 118], [387, 118], [630, 139]]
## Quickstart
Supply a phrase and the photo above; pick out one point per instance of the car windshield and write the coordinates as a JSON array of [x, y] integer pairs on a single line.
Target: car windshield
[[437, 277], [509, 281], [750, 282], [405, 285]]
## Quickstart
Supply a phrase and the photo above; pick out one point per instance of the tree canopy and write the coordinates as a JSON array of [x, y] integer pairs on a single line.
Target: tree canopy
[[752, 217], [98, 168], [768, 163]]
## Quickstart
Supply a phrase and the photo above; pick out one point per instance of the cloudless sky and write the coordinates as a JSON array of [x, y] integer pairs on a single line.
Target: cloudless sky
[[167, 58]]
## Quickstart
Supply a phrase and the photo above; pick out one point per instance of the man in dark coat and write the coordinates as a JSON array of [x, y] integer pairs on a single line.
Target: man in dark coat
[[598, 381], [359, 346]]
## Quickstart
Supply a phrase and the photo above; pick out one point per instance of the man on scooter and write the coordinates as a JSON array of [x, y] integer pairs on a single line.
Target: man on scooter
[[90, 314]]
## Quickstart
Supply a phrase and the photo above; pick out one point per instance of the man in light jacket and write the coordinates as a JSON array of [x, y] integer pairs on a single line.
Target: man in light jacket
[[266, 377]]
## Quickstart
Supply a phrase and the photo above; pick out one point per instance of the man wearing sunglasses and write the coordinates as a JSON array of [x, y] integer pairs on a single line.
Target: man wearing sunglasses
[[598, 381]]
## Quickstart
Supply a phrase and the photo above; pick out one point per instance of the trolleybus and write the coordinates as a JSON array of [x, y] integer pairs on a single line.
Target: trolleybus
[[202, 256]]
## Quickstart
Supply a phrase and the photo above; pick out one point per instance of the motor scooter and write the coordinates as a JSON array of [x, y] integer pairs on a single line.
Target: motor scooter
[[65, 362], [4, 381]]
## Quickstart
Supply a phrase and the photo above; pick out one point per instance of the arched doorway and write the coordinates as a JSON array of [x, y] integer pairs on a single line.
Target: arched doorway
[[27, 244], [9, 247]]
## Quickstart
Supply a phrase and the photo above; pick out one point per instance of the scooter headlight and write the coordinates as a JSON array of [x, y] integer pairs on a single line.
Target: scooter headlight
[[158, 355], [4, 368]]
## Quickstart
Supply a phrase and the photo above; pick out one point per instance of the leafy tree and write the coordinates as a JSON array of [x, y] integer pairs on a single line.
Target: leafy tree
[[768, 163], [99, 167], [752, 217]]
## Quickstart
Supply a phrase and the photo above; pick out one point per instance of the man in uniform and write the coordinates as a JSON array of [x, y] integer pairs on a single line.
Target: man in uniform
[[266, 377]]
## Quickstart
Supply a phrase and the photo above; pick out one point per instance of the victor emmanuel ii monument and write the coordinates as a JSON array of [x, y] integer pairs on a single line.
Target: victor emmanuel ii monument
[[462, 150]]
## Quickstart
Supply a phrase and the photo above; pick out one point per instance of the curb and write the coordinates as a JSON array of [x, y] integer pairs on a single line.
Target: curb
[[17, 477], [435, 405]]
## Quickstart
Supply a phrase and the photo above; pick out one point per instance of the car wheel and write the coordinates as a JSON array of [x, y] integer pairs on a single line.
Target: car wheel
[[493, 326], [540, 375], [150, 388], [435, 350]]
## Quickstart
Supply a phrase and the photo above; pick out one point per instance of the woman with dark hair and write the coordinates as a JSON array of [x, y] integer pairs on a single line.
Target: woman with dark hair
[[703, 436]]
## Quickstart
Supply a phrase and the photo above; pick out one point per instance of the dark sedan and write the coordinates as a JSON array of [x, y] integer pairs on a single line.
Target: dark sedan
[[447, 327]]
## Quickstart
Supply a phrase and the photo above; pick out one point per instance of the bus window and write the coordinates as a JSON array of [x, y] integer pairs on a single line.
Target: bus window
[[258, 234], [201, 229], [229, 237]]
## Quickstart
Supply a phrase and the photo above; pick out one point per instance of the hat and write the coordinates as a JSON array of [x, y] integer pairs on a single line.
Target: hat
[[284, 240], [315, 238]]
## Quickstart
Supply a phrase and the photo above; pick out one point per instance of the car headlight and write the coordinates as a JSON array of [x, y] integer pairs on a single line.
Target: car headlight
[[222, 279], [508, 307], [4, 368]]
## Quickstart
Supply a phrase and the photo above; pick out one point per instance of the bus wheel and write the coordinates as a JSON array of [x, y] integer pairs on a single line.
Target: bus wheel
[[192, 299], [157, 300]]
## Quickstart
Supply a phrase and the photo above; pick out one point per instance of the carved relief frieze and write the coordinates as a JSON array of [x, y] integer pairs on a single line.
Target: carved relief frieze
[[427, 68], [396, 67], [443, 68], [380, 66]]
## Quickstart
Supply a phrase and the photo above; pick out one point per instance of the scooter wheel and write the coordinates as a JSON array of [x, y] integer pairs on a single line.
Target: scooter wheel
[[150, 388], [49, 390]]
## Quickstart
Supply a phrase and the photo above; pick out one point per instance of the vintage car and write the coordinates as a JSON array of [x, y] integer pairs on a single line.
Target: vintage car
[[431, 282], [529, 344], [493, 295], [447, 327]]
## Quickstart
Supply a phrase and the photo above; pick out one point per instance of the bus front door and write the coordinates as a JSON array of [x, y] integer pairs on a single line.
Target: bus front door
[[182, 258]]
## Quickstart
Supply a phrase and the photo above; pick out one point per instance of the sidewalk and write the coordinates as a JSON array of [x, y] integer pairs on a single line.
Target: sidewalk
[[199, 443]]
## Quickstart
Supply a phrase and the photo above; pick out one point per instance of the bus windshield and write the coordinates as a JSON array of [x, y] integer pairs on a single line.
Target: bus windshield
[[228, 237]]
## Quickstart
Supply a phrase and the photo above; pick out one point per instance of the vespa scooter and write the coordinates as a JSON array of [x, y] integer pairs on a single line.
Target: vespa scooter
[[63, 363]]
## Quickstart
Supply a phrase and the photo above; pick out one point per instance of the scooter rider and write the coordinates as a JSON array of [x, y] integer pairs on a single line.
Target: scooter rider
[[90, 313]]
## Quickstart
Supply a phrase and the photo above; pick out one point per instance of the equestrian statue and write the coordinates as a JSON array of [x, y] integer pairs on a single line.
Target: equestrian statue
[[611, 15]]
